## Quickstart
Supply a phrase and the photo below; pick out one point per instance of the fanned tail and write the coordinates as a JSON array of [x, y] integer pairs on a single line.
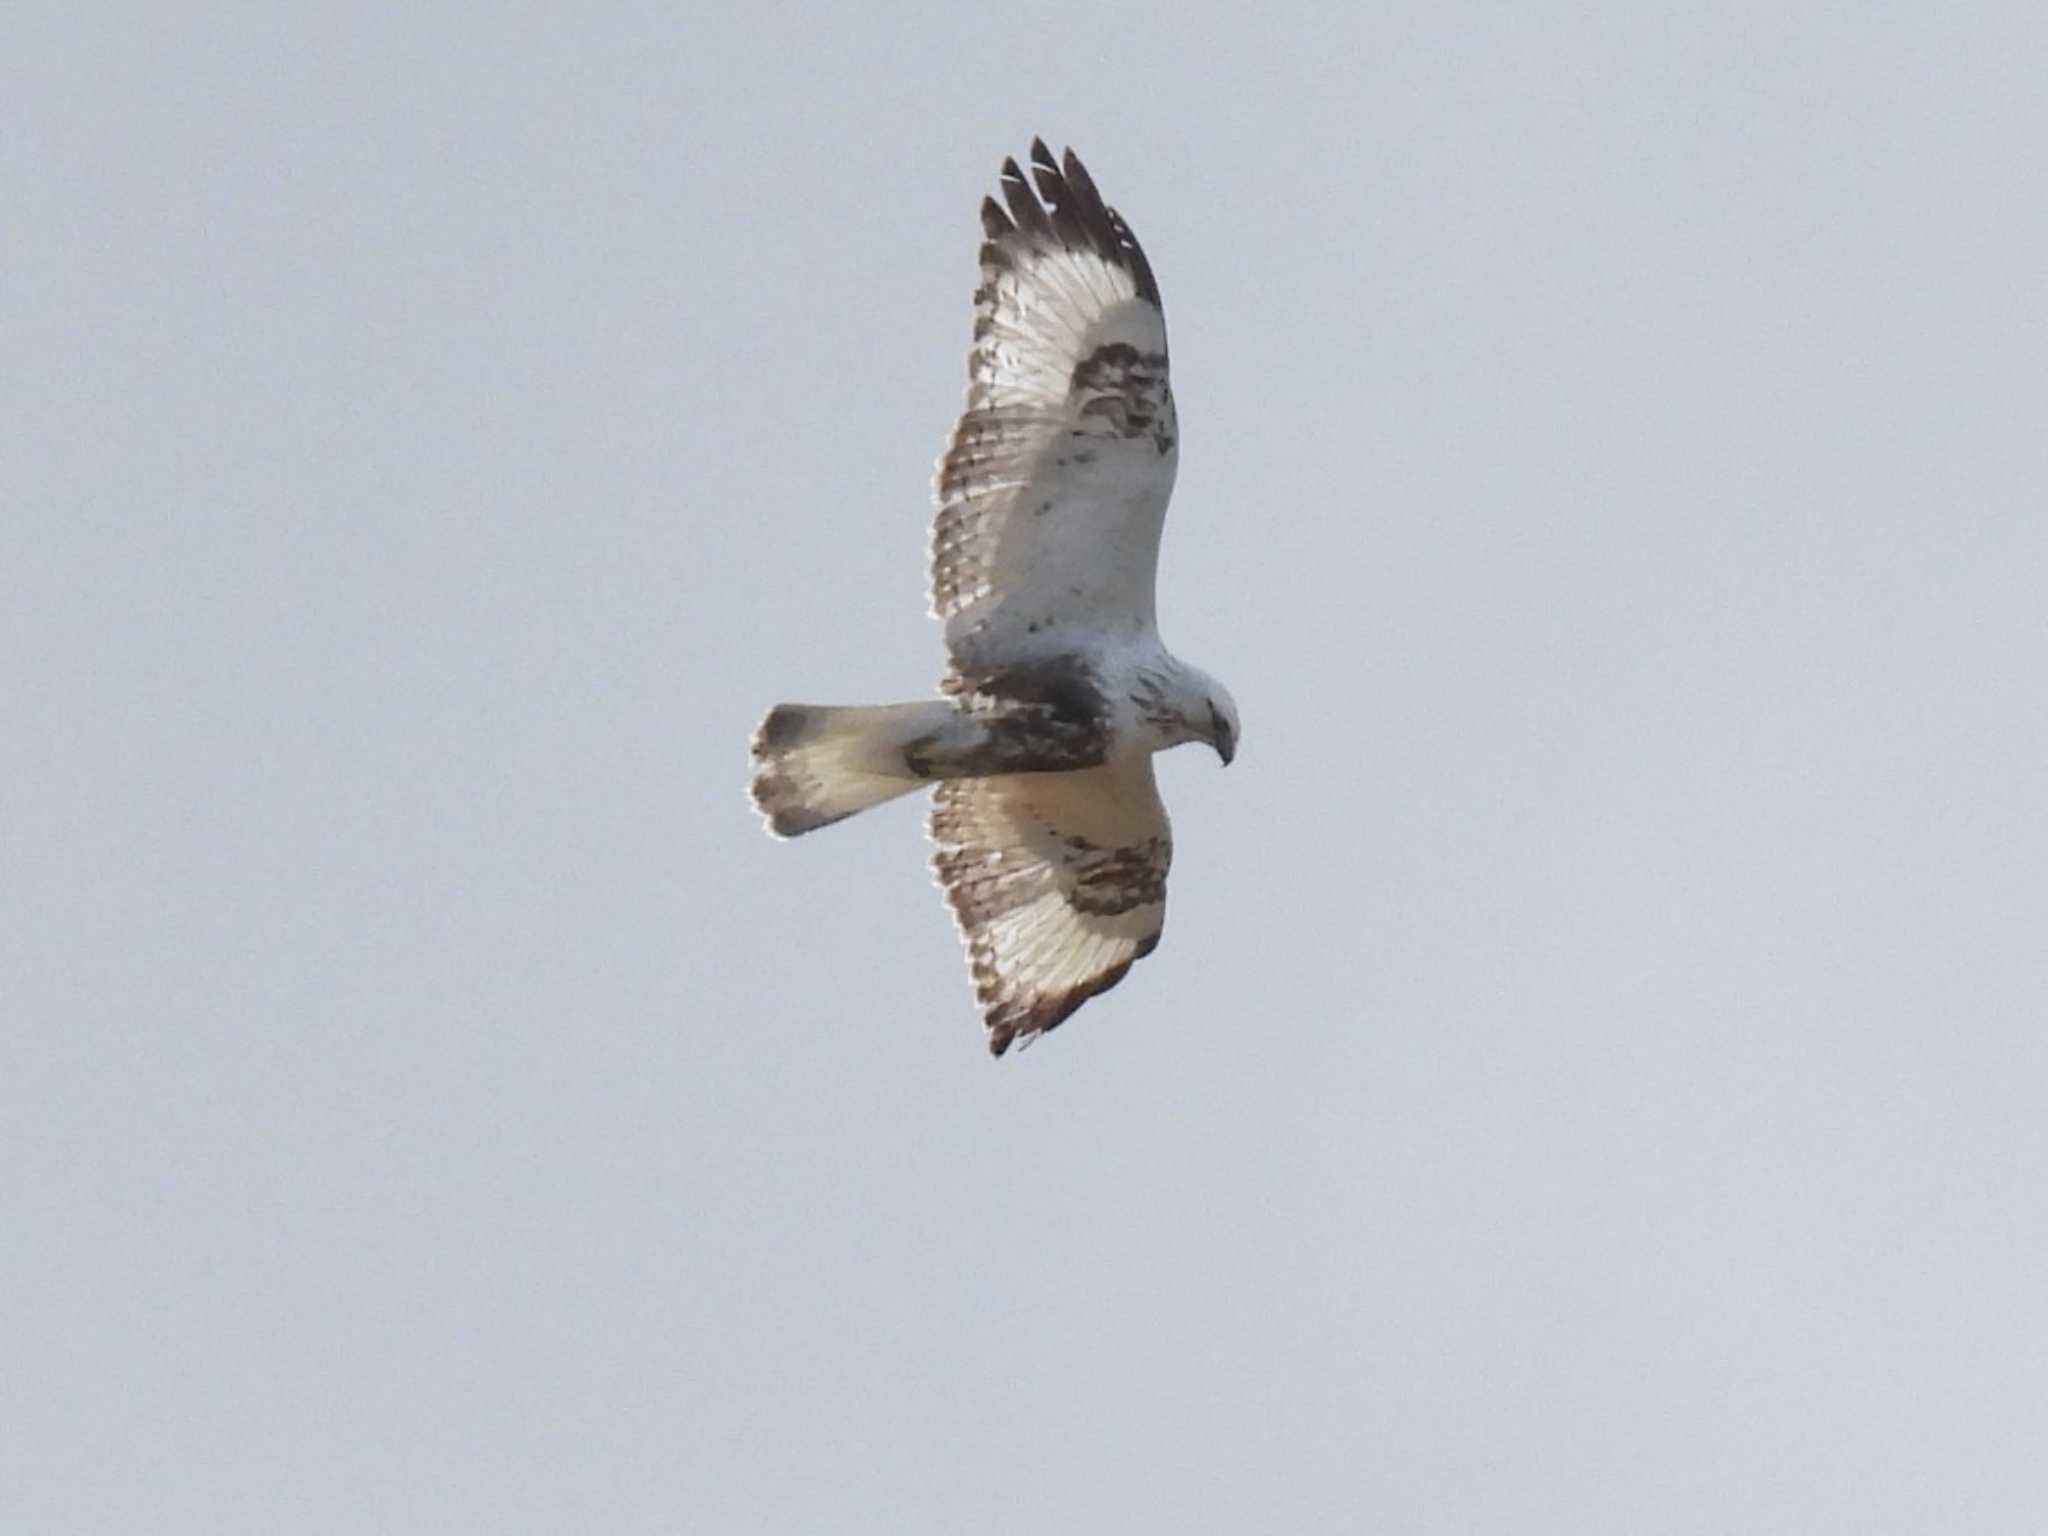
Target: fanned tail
[[815, 764]]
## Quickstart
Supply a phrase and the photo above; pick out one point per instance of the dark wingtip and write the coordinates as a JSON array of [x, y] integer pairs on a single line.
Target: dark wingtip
[[1068, 207], [1051, 186], [1082, 183], [1025, 210], [1054, 1011]]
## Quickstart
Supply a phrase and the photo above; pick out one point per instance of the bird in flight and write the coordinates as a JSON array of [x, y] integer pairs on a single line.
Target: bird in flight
[[1052, 845]]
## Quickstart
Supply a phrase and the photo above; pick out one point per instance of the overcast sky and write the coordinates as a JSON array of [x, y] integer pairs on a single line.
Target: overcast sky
[[1595, 1077]]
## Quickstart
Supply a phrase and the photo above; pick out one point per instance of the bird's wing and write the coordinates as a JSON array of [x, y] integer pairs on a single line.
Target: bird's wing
[[1058, 882], [1053, 487]]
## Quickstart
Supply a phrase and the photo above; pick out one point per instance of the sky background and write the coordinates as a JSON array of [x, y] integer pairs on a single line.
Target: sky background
[[1595, 1077]]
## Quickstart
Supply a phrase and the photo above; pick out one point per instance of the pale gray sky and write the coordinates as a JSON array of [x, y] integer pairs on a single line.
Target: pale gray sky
[[1595, 1078]]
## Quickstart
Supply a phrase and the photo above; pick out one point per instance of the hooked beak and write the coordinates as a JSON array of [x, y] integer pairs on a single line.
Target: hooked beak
[[1220, 736]]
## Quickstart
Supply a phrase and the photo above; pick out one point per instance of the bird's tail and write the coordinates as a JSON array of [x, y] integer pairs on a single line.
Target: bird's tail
[[815, 764]]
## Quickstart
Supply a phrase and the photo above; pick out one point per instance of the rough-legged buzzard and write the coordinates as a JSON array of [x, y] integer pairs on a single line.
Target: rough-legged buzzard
[[1052, 844]]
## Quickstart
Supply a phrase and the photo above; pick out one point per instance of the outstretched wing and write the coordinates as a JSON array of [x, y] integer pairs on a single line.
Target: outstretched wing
[[1058, 882], [1053, 487]]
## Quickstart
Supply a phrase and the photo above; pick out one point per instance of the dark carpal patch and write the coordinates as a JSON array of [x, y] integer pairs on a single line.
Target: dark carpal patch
[[1109, 881], [1127, 391]]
